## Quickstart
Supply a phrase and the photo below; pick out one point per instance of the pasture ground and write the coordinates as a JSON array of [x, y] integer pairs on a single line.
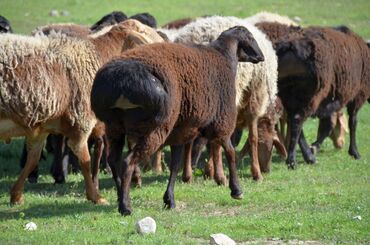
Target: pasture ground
[[314, 203]]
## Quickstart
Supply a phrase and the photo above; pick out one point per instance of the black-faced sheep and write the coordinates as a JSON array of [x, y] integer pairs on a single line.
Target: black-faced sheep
[[45, 88], [169, 94], [5, 26], [321, 70]]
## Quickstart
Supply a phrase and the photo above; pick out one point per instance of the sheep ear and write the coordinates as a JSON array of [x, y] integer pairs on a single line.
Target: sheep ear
[[249, 51], [280, 148], [135, 39]]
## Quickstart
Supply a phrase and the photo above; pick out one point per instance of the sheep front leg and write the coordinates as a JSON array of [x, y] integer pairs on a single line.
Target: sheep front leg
[[169, 196], [294, 127], [35, 145], [98, 153], [216, 153], [236, 191], [324, 130], [307, 153], [352, 110], [157, 162], [81, 150], [187, 171], [253, 141]]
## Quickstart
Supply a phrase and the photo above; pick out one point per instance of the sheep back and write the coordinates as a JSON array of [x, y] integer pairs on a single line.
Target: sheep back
[[31, 71], [339, 62], [255, 83]]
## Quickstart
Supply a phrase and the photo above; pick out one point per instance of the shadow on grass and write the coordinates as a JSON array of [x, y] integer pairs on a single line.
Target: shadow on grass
[[48, 210]]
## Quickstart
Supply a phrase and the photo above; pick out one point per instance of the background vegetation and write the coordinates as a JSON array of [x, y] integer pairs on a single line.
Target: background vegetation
[[313, 203]]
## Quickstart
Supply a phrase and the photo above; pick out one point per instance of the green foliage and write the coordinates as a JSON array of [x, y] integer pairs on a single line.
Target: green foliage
[[314, 202]]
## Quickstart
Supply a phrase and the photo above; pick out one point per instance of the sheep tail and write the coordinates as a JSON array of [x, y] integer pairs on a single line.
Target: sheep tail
[[128, 84]]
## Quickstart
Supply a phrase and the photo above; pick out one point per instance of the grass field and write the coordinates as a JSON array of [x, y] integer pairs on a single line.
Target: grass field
[[315, 203]]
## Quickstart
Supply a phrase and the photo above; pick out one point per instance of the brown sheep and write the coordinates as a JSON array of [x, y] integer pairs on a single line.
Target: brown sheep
[[149, 94], [275, 32], [45, 88], [321, 70]]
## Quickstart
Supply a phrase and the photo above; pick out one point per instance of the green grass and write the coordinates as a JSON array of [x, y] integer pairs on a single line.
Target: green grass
[[314, 202]]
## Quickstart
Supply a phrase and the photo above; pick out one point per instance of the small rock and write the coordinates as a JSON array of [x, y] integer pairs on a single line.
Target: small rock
[[297, 19], [146, 226], [275, 239], [30, 226], [54, 13], [221, 239], [65, 13], [358, 217]]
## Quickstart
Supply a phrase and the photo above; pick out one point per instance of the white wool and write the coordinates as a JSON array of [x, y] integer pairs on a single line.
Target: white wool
[[270, 17], [29, 92], [260, 79], [170, 33]]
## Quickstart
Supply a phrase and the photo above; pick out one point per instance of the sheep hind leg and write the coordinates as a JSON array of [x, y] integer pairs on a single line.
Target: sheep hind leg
[[35, 145], [114, 159], [81, 150], [352, 123], [236, 191], [169, 196], [295, 122], [253, 141], [98, 153], [216, 153], [307, 153], [187, 171], [324, 130]]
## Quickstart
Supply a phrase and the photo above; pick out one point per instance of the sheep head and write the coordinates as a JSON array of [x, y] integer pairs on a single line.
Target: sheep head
[[247, 47]]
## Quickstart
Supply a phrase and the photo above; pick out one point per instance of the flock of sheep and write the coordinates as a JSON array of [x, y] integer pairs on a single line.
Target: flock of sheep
[[190, 83]]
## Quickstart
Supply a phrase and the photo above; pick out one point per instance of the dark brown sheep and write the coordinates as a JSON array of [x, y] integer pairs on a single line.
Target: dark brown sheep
[[169, 94], [321, 70], [277, 32]]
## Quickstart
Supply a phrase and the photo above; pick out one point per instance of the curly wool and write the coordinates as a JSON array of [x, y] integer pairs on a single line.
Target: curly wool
[[257, 80], [39, 100]]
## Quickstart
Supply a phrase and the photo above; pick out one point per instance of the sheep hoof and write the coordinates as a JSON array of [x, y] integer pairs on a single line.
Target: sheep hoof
[[169, 205], [16, 199], [124, 211], [314, 149], [354, 154], [258, 178], [186, 179], [221, 181], [102, 201], [292, 165], [237, 194]]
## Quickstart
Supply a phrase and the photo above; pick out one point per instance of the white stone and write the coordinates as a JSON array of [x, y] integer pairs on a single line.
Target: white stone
[[54, 13], [358, 217], [30, 226], [146, 226], [221, 239]]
